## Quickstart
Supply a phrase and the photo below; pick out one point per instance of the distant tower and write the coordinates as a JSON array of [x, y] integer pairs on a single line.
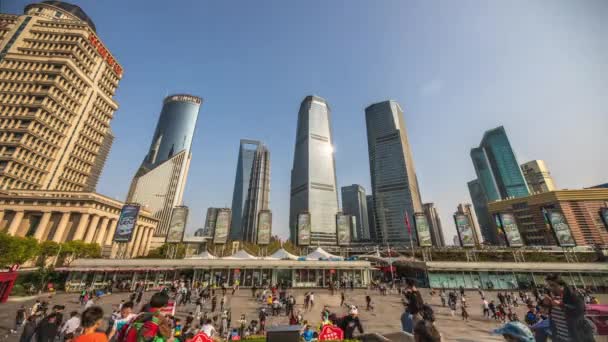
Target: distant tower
[[251, 189], [354, 203], [394, 183], [432, 217], [371, 217], [313, 176], [498, 177], [160, 180], [538, 176]]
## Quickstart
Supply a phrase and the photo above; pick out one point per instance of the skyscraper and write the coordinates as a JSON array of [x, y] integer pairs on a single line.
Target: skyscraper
[[538, 176], [313, 176], [467, 210], [354, 203], [371, 218], [57, 82], [251, 189], [394, 182], [498, 177], [160, 180], [434, 224]]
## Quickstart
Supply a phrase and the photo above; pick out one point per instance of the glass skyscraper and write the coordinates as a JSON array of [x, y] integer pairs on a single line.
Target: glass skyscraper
[[499, 176], [251, 189], [354, 203], [394, 182], [313, 176], [160, 181]]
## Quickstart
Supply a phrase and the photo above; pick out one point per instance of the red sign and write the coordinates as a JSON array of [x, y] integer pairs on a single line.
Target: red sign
[[14, 268], [201, 337], [169, 309], [330, 332], [332, 271], [105, 54], [598, 315]]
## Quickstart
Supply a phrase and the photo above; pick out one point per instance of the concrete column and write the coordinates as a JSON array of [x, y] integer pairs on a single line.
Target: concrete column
[[91, 230], [44, 222], [134, 237], [1, 217], [150, 234], [145, 241], [63, 224], [82, 226], [102, 231], [111, 231], [15, 223], [137, 241], [142, 241]]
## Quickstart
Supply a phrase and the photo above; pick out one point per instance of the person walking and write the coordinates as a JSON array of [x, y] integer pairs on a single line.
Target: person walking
[[414, 305], [350, 323], [342, 297], [425, 330], [213, 303], [486, 308], [20, 317], [29, 329], [69, 328]]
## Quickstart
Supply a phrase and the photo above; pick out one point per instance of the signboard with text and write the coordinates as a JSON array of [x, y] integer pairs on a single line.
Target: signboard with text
[[343, 229], [177, 225], [303, 229], [422, 229], [126, 223], [264, 227], [464, 230], [560, 227], [222, 225], [509, 227]]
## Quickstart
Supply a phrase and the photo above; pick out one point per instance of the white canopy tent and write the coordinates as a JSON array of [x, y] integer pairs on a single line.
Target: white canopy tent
[[320, 253], [205, 256], [241, 255], [282, 254]]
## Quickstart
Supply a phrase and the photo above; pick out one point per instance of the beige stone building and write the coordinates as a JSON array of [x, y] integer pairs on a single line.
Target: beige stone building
[[57, 83], [538, 176], [64, 216]]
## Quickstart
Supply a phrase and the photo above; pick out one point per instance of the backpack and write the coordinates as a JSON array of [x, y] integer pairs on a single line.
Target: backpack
[[144, 328]]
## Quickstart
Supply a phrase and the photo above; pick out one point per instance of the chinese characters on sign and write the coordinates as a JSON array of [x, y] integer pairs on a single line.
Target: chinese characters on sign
[[105, 54]]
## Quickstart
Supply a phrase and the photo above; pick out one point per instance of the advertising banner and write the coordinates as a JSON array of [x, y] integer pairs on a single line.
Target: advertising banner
[[509, 226], [126, 223], [464, 229], [422, 230], [604, 215], [561, 229], [304, 229], [343, 229], [210, 221], [264, 227], [177, 225], [222, 225]]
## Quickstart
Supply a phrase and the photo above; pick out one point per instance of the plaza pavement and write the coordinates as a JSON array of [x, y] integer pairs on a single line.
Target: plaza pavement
[[385, 318]]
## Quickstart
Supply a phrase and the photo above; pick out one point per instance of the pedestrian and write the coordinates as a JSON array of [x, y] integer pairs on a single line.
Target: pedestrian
[[515, 332], [125, 317], [307, 334], [351, 322], [311, 298], [29, 329], [306, 300], [222, 302], [20, 317], [567, 315], [414, 305], [368, 302], [213, 303], [262, 317], [151, 324], [425, 330], [69, 328], [442, 297], [463, 311], [342, 297], [140, 294], [492, 308], [486, 308], [91, 321], [208, 328], [48, 327]]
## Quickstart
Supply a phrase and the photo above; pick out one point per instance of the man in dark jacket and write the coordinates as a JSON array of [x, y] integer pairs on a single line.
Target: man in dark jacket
[[48, 327], [567, 316], [350, 323]]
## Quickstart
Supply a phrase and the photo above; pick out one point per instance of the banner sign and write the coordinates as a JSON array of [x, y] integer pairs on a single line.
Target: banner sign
[[264, 227], [509, 226], [561, 229], [343, 229], [304, 229], [177, 225], [210, 221], [222, 225], [331, 333], [126, 223], [422, 230], [465, 232]]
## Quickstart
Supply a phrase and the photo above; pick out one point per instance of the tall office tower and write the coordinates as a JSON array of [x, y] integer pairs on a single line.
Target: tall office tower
[[467, 210], [371, 219], [313, 176], [354, 203], [434, 224], [538, 176], [159, 182], [394, 182], [498, 177], [251, 190], [57, 83], [100, 161]]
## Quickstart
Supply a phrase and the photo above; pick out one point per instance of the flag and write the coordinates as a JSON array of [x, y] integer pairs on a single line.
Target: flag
[[407, 223]]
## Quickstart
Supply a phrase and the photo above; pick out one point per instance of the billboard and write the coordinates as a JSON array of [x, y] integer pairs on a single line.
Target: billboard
[[222, 225], [343, 229], [509, 227], [304, 229], [209, 229], [177, 225], [264, 227], [422, 230], [464, 229], [126, 223], [561, 229], [604, 215]]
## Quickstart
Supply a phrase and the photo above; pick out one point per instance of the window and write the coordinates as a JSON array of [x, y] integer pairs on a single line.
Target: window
[[57, 14]]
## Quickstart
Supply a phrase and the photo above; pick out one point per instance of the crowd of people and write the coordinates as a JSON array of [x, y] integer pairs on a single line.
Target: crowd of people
[[554, 312]]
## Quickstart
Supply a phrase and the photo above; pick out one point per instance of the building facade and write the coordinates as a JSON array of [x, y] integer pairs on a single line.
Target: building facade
[[63, 216], [160, 181], [580, 208], [434, 220], [538, 176], [394, 183], [251, 189], [354, 202], [57, 85], [210, 219], [313, 176], [467, 210], [498, 177], [371, 218]]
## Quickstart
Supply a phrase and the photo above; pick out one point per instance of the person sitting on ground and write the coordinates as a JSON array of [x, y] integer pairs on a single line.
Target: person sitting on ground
[[515, 332], [425, 330], [91, 321]]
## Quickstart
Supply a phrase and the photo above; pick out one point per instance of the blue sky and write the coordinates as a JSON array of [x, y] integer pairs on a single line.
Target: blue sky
[[456, 67]]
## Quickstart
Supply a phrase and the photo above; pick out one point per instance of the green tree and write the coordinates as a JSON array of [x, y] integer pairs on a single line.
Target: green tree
[[17, 250], [47, 249], [77, 249]]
